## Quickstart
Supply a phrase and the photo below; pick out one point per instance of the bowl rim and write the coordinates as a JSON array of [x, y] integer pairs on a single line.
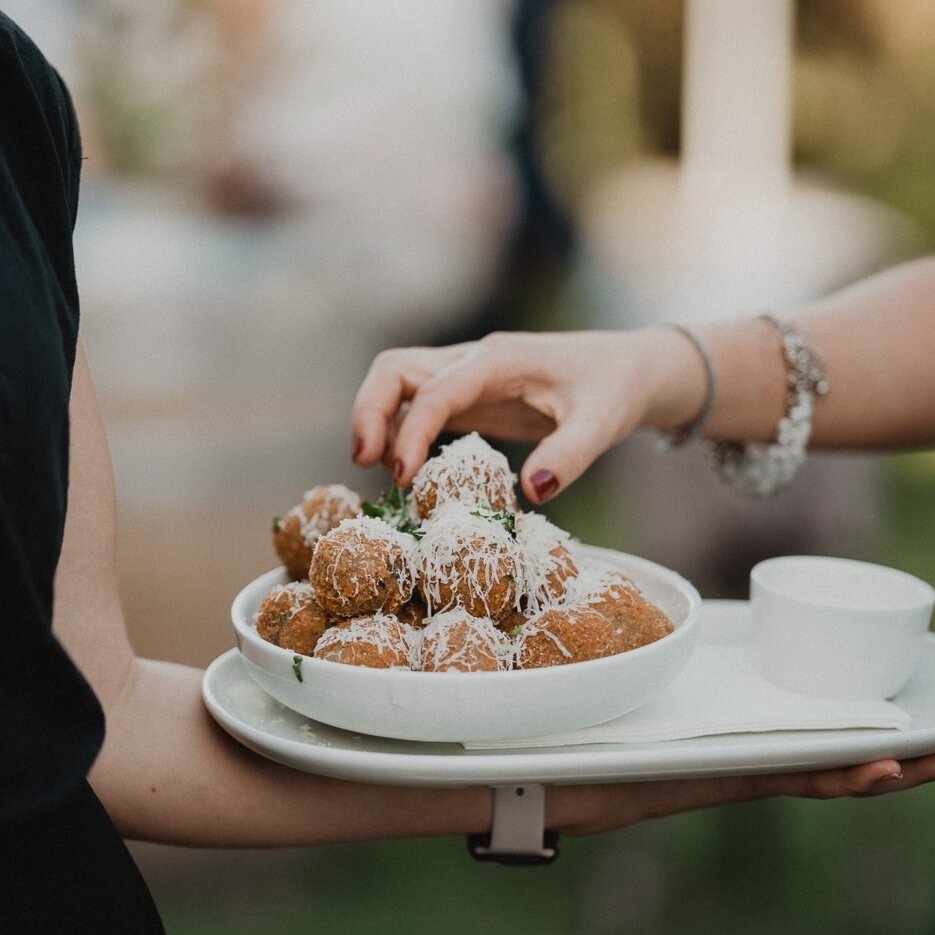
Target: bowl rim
[[683, 630]]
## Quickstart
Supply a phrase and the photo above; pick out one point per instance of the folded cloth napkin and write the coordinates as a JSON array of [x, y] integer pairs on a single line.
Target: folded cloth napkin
[[722, 692]]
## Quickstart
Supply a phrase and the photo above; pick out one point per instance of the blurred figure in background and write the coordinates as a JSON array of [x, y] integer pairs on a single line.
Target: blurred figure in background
[[377, 134], [306, 183]]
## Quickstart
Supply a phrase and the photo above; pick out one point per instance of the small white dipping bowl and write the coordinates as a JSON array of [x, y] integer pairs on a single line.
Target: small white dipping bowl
[[836, 627], [477, 706]]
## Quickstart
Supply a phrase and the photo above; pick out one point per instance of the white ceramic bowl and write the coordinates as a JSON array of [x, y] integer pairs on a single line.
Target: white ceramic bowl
[[477, 706], [836, 627]]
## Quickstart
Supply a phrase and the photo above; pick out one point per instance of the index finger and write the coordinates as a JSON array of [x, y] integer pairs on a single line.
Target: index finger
[[394, 378], [450, 392]]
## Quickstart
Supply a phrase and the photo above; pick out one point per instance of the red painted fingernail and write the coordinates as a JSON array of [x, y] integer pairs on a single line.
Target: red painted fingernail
[[357, 449], [397, 469], [545, 483]]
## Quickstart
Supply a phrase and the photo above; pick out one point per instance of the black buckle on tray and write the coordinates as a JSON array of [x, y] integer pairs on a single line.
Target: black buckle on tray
[[517, 836]]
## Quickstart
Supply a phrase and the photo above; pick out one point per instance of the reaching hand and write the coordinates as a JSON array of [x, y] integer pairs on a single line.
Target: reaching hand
[[576, 393]]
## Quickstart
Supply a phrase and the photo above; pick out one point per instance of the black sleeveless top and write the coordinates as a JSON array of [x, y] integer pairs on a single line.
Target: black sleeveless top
[[51, 725]]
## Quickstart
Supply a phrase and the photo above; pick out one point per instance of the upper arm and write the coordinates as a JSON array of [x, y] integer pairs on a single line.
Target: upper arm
[[88, 619]]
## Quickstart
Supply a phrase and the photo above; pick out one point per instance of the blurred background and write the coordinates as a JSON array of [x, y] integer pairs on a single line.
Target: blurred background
[[275, 190]]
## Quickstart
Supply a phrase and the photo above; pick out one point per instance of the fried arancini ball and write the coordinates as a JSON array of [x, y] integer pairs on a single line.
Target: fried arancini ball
[[636, 621], [378, 642], [321, 509], [289, 617], [454, 641], [467, 471], [547, 563], [362, 566], [465, 560], [562, 635]]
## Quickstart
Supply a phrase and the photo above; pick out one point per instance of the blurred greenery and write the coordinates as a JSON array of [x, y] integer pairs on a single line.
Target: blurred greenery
[[845, 867], [908, 503]]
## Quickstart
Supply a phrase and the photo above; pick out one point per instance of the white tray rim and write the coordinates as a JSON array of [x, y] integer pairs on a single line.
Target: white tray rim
[[382, 761]]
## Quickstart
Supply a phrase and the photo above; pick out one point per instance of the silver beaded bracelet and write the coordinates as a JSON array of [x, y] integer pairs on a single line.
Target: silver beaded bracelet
[[759, 468]]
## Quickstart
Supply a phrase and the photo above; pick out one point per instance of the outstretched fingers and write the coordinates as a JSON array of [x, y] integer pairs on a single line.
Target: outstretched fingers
[[378, 400], [449, 393], [545, 388], [866, 779], [912, 772], [393, 379]]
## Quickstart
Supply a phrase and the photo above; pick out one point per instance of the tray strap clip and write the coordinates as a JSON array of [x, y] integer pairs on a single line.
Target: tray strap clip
[[517, 835]]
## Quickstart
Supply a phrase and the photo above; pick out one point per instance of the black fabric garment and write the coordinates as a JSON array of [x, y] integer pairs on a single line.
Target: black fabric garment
[[67, 872], [63, 867], [50, 723]]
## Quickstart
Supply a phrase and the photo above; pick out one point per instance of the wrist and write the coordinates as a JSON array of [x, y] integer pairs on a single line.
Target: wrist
[[678, 381]]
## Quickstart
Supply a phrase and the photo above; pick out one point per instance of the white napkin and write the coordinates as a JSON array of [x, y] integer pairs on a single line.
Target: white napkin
[[721, 692]]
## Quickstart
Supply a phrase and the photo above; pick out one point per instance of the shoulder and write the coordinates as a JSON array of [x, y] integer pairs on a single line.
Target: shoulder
[[38, 126]]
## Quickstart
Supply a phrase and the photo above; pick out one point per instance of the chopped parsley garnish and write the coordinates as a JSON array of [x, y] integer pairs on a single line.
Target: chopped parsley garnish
[[396, 499], [297, 667], [506, 519], [393, 509], [277, 522]]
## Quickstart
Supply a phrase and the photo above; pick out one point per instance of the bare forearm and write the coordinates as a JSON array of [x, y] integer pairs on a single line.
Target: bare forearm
[[877, 341], [880, 340], [579, 393], [168, 773]]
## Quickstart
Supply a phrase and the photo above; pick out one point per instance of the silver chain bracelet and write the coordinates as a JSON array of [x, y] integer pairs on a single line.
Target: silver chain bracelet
[[759, 468]]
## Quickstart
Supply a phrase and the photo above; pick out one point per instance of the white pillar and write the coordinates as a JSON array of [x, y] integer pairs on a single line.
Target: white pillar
[[736, 110]]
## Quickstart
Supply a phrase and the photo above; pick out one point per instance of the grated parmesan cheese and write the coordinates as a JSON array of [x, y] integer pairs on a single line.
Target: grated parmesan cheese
[[379, 637], [456, 641], [298, 595], [547, 567], [593, 582], [322, 507], [468, 560], [468, 471]]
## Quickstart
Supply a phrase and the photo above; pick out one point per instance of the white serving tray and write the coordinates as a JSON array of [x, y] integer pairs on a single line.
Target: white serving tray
[[252, 717]]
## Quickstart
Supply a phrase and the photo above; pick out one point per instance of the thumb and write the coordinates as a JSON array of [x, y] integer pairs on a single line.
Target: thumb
[[562, 457]]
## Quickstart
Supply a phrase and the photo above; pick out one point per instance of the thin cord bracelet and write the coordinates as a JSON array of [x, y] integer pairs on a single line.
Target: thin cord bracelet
[[692, 430]]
